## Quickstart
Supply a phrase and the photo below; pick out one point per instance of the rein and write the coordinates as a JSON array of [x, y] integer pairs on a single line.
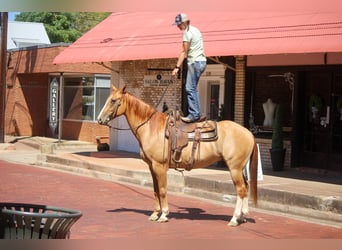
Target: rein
[[136, 129], [133, 129], [143, 123]]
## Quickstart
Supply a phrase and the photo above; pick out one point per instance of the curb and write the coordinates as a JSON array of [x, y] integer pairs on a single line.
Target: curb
[[308, 206]]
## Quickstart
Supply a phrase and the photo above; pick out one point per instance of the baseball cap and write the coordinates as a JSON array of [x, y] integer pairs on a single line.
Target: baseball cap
[[180, 18]]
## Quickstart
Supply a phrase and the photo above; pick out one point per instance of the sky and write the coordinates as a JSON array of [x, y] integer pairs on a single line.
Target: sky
[[11, 15]]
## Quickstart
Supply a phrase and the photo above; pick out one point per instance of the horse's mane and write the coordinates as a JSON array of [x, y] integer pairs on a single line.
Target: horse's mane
[[145, 112], [142, 109]]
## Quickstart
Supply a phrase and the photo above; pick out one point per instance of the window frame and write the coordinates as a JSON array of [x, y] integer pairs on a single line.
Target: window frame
[[99, 81]]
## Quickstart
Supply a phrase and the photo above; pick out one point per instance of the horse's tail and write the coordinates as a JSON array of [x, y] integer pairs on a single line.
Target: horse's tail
[[253, 170]]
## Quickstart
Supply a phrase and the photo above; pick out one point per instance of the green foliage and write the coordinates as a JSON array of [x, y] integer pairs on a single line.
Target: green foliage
[[85, 21], [64, 26], [315, 101], [277, 135]]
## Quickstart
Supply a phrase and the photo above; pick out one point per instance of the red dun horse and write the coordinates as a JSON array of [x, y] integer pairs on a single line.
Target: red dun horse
[[235, 145]]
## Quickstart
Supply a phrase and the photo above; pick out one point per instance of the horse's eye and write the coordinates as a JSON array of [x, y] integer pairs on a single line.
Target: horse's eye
[[113, 101]]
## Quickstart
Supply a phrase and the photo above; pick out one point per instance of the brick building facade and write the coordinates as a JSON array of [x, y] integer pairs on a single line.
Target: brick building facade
[[154, 95], [249, 81], [276, 48], [29, 73]]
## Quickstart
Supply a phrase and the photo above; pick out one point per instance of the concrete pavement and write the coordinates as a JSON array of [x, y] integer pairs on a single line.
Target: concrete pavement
[[297, 192]]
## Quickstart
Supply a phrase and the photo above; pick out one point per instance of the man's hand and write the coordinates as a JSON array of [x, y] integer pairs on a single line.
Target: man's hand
[[175, 71]]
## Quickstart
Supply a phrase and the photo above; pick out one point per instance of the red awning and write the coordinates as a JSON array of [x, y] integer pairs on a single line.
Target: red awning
[[143, 35]]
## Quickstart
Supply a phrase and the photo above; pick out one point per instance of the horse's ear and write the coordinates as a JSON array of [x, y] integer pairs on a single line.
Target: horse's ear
[[123, 89], [114, 88]]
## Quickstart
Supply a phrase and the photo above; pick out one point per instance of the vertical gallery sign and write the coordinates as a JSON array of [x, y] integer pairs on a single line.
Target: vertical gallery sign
[[53, 113]]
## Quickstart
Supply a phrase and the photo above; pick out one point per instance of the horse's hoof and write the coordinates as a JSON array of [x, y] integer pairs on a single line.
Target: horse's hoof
[[163, 219], [242, 220], [153, 217], [233, 223]]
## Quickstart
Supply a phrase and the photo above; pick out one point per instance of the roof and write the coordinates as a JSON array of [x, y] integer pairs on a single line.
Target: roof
[[151, 35], [41, 46], [23, 34]]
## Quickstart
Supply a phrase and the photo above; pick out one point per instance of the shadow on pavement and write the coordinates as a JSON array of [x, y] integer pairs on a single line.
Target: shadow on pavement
[[108, 154]]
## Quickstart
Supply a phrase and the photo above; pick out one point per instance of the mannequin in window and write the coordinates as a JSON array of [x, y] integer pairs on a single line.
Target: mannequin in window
[[269, 108]]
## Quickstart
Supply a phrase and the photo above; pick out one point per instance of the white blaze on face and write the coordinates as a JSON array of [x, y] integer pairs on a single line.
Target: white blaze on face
[[99, 118]]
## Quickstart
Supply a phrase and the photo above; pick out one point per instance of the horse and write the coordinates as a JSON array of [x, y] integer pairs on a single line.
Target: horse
[[235, 145]]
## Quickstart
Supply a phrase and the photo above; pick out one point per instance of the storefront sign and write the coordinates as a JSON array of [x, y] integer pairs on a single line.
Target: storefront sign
[[157, 80], [53, 117]]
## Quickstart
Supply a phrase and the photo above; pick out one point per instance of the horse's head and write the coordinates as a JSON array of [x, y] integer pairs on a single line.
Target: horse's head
[[113, 106]]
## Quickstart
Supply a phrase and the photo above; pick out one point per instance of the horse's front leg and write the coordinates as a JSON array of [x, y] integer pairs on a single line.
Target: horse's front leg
[[159, 178], [155, 215]]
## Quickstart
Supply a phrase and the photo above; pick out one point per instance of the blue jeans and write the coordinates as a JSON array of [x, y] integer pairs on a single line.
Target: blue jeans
[[194, 73]]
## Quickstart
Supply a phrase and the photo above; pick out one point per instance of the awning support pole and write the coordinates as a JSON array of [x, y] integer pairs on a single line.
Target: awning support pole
[[107, 67], [215, 59], [61, 97]]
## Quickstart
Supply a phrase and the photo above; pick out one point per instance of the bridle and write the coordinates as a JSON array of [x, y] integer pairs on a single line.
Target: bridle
[[117, 104]]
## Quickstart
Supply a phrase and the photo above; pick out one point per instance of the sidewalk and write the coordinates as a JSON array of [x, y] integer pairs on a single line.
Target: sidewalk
[[300, 193]]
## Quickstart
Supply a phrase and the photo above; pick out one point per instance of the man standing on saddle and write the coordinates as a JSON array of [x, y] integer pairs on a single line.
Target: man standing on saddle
[[193, 50]]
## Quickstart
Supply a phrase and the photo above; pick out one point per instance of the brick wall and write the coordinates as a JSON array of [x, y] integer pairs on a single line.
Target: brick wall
[[239, 90], [265, 145], [26, 105], [84, 131], [132, 74], [27, 79], [39, 60]]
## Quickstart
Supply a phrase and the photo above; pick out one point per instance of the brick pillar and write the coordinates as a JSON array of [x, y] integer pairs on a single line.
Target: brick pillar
[[239, 89]]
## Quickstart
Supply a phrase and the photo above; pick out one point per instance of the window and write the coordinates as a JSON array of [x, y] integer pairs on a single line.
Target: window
[[268, 86], [84, 97]]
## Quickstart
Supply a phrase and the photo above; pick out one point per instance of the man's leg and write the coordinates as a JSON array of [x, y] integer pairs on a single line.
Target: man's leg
[[192, 94]]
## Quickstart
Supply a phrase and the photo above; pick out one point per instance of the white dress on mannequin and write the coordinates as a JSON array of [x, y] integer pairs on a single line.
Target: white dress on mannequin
[[269, 108]]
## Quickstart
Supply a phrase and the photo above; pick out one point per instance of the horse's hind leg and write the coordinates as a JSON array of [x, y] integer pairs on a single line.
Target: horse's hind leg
[[241, 187]]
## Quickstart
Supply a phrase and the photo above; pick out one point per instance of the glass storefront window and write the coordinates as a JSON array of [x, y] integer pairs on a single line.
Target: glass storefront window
[[84, 97]]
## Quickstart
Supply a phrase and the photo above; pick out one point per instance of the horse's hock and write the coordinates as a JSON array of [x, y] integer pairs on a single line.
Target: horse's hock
[[31, 221]]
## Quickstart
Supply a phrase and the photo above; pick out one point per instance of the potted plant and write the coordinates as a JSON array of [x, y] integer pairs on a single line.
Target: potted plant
[[278, 151], [315, 105]]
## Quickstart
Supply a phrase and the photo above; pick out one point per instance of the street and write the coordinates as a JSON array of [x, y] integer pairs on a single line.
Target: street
[[114, 210]]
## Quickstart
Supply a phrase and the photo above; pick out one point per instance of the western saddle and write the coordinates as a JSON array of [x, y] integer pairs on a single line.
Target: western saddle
[[180, 133]]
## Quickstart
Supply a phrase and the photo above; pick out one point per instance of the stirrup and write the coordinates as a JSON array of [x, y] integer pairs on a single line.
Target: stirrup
[[202, 118]]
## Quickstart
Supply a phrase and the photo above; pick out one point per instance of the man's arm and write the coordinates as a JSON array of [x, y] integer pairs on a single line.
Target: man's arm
[[181, 57]]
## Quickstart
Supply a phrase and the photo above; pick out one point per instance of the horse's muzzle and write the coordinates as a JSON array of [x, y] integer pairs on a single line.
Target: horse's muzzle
[[103, 121]]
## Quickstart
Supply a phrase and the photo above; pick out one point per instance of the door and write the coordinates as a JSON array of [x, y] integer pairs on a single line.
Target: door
[[336, 123], [322, 134], [211, 90], [214, 90]]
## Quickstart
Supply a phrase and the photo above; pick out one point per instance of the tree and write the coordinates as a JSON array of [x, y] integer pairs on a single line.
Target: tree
[[64, 26]]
